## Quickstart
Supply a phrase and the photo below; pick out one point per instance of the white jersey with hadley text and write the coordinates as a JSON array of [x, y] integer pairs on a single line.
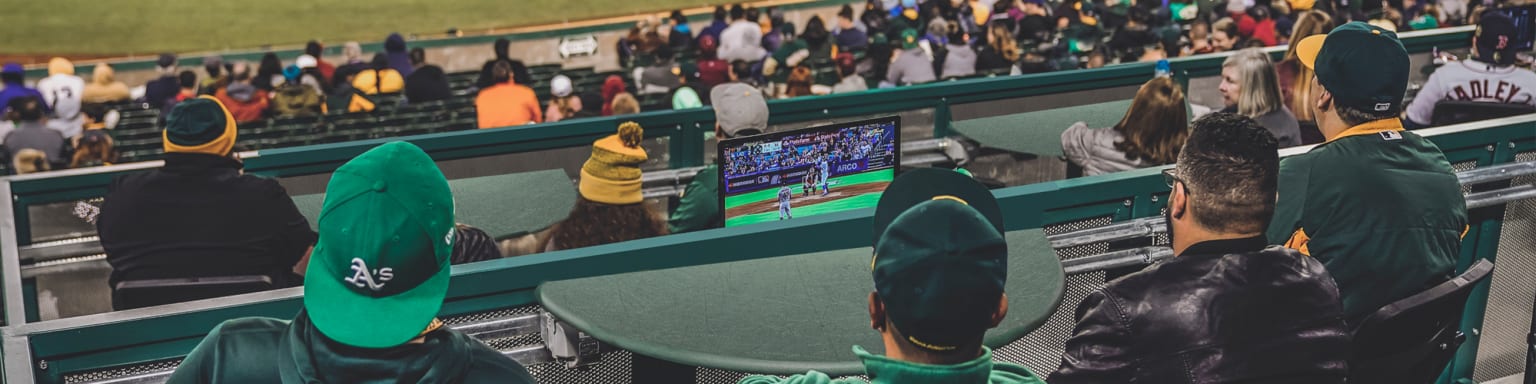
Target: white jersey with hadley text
[[62, 93], [1471, 80]]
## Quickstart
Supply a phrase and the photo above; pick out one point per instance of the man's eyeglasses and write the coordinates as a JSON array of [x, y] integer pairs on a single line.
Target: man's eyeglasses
[[1171, 177]]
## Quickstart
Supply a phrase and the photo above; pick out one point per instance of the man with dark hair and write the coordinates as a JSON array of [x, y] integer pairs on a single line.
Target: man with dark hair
[[1379, 206], [740, 111], [428, 82], [519, 70], [939, 266], [1225, 308], [850, 35], [1490, 76], [31, 131], [157, 91], [200, 215]]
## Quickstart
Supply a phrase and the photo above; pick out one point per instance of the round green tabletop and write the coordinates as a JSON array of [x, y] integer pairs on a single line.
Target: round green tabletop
[[501, 205], [781, 315]]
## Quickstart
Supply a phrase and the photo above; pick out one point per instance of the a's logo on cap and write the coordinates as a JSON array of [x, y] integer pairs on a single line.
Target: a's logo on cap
[[448, 239], [1382, 107], [362, 277]]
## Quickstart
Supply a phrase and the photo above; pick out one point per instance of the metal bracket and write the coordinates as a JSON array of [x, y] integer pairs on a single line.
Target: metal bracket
[[575, 348]]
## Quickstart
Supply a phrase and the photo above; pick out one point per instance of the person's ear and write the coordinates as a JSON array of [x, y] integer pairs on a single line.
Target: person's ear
[[1324, 100], [876, 313], [1002, 310], [1178, 200]]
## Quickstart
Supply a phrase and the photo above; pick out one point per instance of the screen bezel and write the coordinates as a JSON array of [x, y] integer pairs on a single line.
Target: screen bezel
[[728, 143]]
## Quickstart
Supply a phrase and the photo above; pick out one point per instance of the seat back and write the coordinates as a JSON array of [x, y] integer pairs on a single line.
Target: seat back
[[1412, 340], [132, 294], [1456, 112]]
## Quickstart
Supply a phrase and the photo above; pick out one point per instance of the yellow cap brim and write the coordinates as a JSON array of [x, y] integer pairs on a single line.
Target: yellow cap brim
[[1308, 48]]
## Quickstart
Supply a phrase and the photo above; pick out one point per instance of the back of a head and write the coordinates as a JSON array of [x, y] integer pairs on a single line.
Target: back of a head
[[501, 46], [740, 109], [25, 108], [501, 72], [241, 71], [1155, 126], [30, 161], [625, 104], [611, 208], [1314, 22], [846, 65], [313, 48], [738, 12], [418, 56], [1259, 90], [846, 12], [1230, 165], [1496, 38], [380, 61], [720, 13], [187, 79], [663, 53], [940, 264], [799, 82], [95, 112], [815, 33]]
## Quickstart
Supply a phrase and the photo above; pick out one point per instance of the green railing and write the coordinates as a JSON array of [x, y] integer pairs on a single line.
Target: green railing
[[153, 334]]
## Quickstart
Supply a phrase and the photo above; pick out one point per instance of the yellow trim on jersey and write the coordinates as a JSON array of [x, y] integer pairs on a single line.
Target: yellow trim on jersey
[[1371, 128]]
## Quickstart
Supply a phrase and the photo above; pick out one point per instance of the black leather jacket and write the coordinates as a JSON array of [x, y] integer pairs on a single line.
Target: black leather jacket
[[1225, 311]]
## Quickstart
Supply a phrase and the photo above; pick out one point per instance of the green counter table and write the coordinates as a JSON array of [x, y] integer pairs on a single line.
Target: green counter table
[[502, 205], [1039, 132], [781, 315]]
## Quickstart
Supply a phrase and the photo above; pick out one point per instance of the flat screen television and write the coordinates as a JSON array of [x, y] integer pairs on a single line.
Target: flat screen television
[[806, 172]]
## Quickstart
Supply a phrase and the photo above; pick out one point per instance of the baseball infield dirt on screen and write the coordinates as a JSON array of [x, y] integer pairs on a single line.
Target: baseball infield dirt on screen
[[811, 171]]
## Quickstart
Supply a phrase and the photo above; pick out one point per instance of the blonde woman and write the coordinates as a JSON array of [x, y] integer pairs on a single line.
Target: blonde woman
[[1296, 79], [1250, 88]]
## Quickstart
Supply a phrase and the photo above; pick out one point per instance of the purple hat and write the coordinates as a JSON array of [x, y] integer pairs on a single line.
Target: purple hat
[[13, 68]]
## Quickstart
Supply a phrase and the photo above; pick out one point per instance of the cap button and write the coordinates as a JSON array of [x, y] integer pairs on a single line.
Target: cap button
[[380, 186]]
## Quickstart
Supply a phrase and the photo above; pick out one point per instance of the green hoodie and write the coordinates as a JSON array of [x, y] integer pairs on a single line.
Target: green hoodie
[[266, 350], [885, 370]]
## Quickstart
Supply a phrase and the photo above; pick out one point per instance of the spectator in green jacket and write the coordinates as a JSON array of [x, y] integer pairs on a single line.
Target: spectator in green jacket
[[740, 111], [1378, 205], [939, 268], [372, 292]]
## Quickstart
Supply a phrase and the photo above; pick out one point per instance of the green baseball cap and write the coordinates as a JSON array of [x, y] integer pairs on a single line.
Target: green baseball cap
[[908, 38], [1364, 66], [379, 272], [940, 258]]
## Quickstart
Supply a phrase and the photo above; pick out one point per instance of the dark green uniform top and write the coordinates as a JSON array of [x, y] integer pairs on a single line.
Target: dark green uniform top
[[885, 370], [699, 208], [266, 350], [1379, 206]]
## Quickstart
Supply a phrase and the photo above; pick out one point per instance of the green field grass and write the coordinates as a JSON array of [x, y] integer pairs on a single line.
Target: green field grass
[[96, 27], [772, 194], [861, 201]]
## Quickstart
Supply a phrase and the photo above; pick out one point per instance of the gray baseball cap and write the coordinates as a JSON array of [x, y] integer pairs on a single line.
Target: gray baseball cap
[[739, 107]]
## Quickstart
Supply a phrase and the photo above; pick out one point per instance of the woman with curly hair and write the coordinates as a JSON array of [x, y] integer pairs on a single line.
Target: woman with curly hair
[[611, 208]]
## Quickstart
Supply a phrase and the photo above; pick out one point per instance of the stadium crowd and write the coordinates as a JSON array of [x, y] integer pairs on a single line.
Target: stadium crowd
[[883, 43], [1387, 225]]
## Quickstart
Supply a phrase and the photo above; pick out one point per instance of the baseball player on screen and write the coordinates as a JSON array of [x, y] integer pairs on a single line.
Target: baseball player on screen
[[825, 170], [784, 195]]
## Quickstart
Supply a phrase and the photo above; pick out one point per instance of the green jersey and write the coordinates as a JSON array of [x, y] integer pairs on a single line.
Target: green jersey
[[885, 370]]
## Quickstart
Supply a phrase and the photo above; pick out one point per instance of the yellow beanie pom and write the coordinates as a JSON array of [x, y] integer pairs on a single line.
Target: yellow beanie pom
[[630, 133]]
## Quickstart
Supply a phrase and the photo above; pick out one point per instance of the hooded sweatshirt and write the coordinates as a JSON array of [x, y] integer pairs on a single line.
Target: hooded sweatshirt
[[62, 91], [612, 87], [296, 99], [394, 47], [265, 350], [245, 102], [104, 87]]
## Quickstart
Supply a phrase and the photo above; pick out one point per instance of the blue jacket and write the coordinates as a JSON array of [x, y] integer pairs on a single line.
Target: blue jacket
[[713, 29], [394, 48], [14, 90]]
